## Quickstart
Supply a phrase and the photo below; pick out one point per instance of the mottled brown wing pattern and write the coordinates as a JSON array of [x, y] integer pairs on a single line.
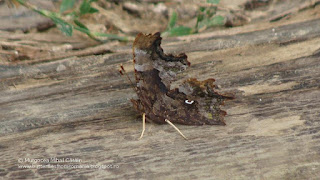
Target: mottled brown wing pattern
[[193, 103]]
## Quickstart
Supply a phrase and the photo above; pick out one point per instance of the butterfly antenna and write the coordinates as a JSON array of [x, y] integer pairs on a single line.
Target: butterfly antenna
[[167, 121], [143, 125], [122, 71]]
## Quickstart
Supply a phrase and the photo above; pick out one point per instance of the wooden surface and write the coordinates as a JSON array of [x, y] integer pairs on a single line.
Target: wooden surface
[[80, 108], [23, 19]]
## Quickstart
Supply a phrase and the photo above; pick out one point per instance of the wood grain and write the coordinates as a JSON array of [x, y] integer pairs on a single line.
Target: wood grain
[[80, 108]]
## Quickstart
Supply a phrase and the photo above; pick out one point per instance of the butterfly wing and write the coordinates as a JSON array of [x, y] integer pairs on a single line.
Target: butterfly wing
[[193, 103]]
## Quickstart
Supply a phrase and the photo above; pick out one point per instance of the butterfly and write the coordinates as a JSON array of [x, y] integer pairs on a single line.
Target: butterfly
[[192, 103]]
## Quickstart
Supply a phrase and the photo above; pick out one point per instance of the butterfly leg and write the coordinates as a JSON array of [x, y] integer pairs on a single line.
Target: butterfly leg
[[143, 125], [167, 121]]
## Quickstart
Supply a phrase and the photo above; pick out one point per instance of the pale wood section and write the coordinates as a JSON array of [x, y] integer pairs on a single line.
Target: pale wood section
[[80, 108]]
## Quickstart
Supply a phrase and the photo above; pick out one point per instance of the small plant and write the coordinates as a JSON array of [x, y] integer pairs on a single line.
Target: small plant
[[67, 19], [173, 30], [206, 18]]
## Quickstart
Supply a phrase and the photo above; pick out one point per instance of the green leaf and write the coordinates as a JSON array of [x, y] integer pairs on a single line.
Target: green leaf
[[93, 10], [173, 20], [84, 7], [84, 30], [66, 4], [213, 1], [43, 12], [111, 36], [65, 27], [202, 9], [78, 23], [179, 31], [200, 18]]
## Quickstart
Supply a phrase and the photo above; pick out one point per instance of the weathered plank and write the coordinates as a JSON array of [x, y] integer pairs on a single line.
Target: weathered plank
[[23, 19], [79, 108]]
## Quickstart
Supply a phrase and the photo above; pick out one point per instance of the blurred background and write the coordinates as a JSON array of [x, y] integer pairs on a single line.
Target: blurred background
[[37, 30]]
